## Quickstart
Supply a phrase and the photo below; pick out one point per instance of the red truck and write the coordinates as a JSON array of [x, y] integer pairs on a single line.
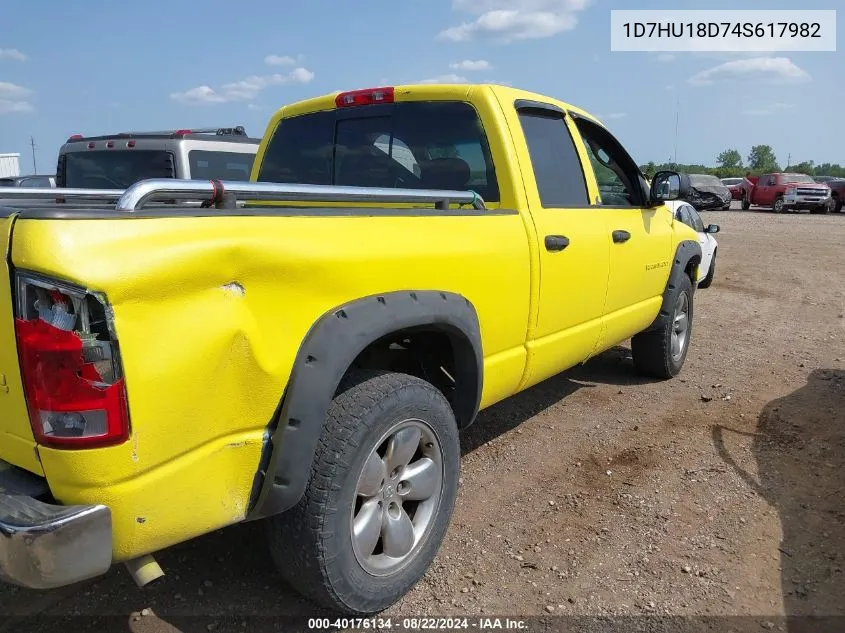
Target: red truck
[[837, 193], [788, 192]]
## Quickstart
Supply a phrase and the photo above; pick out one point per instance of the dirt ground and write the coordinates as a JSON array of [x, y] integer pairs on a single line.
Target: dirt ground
[[721, 492]]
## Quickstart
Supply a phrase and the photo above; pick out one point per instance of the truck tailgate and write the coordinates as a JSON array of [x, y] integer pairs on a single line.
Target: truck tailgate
[[17, 444]]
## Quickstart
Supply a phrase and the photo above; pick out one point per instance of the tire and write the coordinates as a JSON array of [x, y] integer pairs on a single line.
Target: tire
[[777, 205], [312, 543], [705, 283], [726, 207], [653, 351], [837, 204], [746, 203]]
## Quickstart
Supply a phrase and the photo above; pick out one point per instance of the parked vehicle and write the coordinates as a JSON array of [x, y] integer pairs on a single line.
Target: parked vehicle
[[837, 193], [686, 213], [708, 192], [825, 179], [734, 185], [119, 160], [29, 181], [309, 360], [789, 192]]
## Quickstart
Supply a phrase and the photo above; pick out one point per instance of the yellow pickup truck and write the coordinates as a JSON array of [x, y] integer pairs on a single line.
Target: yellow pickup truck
[[303, 349]]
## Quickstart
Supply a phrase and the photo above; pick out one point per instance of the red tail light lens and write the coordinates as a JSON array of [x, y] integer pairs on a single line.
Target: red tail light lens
[[364, 97], [70, 366], [181, 132], [75, 137]]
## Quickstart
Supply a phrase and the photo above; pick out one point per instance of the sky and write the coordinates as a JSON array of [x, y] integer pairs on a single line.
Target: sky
[[95, 67]]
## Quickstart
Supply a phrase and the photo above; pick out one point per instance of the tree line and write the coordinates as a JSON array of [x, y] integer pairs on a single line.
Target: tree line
[[761, 160]]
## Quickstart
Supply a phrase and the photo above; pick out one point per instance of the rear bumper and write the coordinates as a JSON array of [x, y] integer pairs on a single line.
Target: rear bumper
[[44, 545]]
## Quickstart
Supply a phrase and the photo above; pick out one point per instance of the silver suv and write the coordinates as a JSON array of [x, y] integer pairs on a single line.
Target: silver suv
[[119, 160]]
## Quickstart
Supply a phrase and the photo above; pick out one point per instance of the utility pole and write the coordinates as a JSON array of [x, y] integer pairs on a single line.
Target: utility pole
[[788, 160], [677, 107], [32, 144]]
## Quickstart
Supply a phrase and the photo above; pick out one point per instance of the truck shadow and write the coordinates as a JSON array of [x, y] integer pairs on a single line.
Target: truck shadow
[[799, 449], [225, 580], [613, 367]]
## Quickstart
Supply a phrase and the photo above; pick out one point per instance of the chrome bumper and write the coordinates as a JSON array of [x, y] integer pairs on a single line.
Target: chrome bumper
[[44, 546], [796, 200]]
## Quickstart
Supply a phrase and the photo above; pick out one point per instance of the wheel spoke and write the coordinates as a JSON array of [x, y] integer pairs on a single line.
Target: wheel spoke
[[372, 478], [367, 526], [397, 533], [676, 345], [401, 448], [681, 323], [423, 479]]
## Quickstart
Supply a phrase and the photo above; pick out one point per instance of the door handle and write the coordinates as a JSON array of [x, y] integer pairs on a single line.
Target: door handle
[[556, 242], [621, 236]]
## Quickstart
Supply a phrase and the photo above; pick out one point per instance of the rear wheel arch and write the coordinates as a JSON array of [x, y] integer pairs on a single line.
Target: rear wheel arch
[[431, 334]]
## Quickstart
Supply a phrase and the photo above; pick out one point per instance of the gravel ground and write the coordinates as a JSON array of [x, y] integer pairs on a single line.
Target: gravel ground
[[596, 493]]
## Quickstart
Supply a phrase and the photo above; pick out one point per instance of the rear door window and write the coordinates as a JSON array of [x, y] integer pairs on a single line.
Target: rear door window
[[554, 159], [416, 145]]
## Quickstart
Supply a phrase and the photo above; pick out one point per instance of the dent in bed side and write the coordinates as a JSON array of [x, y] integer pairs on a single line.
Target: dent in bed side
[[688, 253], [330, 348]]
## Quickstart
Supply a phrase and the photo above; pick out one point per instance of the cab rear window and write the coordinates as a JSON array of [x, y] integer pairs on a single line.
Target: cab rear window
[[415, 145], [114, 169]]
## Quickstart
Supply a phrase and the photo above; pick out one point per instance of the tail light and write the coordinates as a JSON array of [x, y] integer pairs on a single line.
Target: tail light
[[368, 96], [70, 366]]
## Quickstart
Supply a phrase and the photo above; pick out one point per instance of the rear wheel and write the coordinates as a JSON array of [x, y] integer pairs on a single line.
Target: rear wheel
[[661, 353], [382, 489], [746, 203]]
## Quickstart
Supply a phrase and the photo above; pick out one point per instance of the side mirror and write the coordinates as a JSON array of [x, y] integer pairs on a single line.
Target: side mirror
[[668, 185], [712, 228]]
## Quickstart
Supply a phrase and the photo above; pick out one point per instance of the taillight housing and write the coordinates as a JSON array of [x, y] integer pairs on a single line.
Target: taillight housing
[[70, 365], [368, 96]]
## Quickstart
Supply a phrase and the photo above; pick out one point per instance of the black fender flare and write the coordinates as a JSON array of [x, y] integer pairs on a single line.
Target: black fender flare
[[686, 251], [326, 353]]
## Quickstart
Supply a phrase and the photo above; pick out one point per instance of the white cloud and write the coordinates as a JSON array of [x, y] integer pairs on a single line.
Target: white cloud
[[13, 92], [279, 60], [13, 98], [243, 90], [507, 21], [769, 108], [470, 65], [445, 79], [12, 53], [7, 106], [252, 106], [773, 69]]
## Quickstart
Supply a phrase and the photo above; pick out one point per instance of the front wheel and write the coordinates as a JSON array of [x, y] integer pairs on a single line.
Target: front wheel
[[661, 353], [837, 204], [777, 205], [746, 202], [382, 489]]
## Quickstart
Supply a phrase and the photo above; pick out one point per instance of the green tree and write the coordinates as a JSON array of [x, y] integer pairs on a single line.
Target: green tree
[[804, 167], [729, 159], [762, 159]]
